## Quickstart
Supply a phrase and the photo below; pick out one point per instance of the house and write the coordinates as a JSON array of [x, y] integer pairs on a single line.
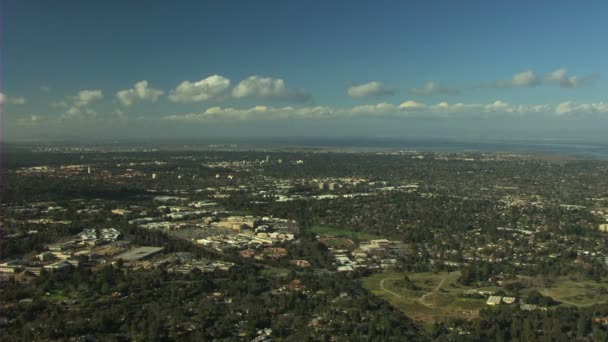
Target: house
[[345, 269], [120, 212], [300, 263], [275, 253], [380, 242], [248, 253]]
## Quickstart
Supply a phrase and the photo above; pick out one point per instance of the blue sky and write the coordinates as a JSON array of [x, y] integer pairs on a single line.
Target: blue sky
[[120, 69]]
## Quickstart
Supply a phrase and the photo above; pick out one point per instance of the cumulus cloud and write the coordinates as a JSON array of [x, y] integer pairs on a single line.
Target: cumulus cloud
[[85, 97], [557, 75], [570, 108], [4, 99], [412, 105], [407, 109], [269, 89], [78, 106], [214, 87], [434, 88], [526, 78], [371, 89], [380, 108], [530, 78], [561, 77], [139, 92], [254, 113]]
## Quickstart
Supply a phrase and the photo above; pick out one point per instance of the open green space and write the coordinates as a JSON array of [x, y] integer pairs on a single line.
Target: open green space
[[337, 232], [433, 296], [274, 272], [430, 296], [577, 293], [60, 295]]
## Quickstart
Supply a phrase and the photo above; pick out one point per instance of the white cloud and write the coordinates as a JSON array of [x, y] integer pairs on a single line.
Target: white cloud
[[561, 77], [530, 78], [557, 75], [434, 88], [77, 106], [570, 108], [214, 87], [140, 91], [407, 109], [4, 99], [254, 113], [411, 105], [371, 89], [269, 89], [380, 108], [85, 97], [526, 78]]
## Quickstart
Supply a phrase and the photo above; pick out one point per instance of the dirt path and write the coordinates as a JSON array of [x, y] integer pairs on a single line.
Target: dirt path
[[438, 287], [387, 290]]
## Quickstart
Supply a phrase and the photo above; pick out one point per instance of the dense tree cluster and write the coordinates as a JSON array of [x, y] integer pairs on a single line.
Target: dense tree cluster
[[120, 304]]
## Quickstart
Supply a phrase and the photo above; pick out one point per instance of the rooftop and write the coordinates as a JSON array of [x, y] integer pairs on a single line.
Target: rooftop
[[138, 253]]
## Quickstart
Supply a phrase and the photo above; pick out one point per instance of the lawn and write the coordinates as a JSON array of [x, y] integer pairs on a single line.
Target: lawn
[[577, 293], [437, 296], [327, 230], [275, 272], [60, 295]]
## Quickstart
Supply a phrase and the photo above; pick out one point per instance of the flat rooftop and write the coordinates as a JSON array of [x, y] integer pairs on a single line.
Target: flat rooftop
[[139, 253]]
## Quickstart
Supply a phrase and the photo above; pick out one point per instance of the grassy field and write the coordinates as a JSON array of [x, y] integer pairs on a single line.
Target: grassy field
[[60, 295], [577, 293], [436, 298], [438, 295], [326, 230], [275, 272]]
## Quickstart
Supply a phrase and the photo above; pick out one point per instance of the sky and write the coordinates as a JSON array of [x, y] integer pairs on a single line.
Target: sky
[[143, 69]]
